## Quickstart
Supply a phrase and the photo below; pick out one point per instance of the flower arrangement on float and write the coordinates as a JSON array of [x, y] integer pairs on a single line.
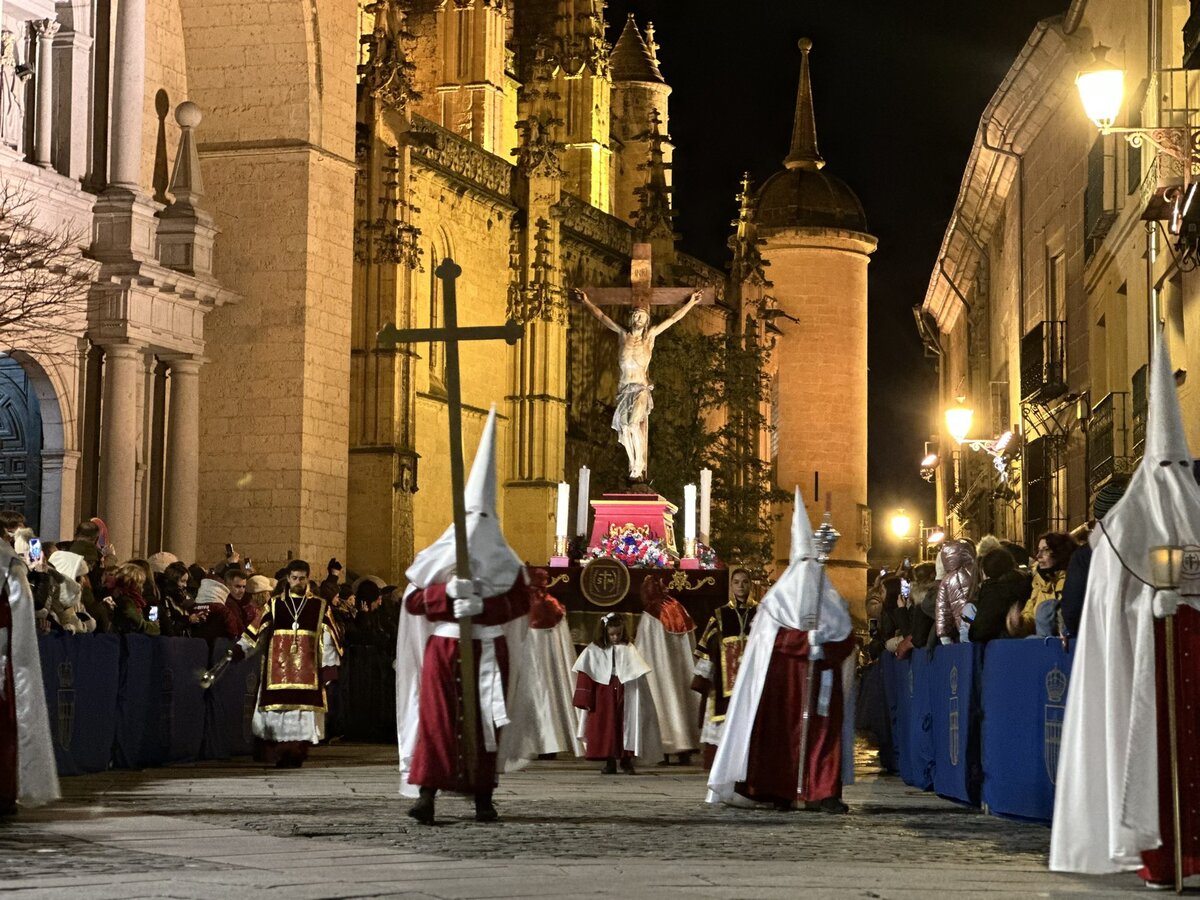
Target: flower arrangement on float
[[634, 547]]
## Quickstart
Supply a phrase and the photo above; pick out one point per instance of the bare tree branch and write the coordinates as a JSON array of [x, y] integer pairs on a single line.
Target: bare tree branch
[[44, 277]]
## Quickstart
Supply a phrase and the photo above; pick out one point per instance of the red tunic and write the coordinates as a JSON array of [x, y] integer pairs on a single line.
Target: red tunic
[[1160, 863], [605, 732], [773, 766], [438, 756]]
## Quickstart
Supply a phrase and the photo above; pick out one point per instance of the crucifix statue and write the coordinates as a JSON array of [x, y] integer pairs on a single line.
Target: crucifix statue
[[631, 420], [451, 335]]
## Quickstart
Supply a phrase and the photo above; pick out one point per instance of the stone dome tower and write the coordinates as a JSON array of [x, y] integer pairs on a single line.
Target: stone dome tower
[[815, 239], [639, 112]]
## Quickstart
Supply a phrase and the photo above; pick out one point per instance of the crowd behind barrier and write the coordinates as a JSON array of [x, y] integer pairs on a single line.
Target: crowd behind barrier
[[132, 701], [981, 724]]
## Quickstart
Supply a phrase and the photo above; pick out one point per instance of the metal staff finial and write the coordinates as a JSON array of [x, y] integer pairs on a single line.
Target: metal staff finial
[[209, 677], [826, 536]]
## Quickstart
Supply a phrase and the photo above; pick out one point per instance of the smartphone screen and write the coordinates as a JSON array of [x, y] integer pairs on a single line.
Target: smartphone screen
[[152, 614], [905, 588], [35, 550]]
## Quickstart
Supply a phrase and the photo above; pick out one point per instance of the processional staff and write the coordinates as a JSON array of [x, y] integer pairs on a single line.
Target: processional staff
[[825, 537], [510, 332]]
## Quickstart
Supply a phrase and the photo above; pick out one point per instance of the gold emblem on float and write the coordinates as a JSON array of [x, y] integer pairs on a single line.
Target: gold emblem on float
[[604, 581]]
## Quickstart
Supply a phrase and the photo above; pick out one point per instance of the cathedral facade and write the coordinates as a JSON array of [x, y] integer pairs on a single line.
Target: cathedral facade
[[263, 187]]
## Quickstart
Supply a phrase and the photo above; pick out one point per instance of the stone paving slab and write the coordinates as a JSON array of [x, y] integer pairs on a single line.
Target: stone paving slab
[[337, 829]]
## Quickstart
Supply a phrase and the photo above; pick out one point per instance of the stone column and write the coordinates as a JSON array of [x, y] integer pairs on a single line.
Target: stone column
[[118, 443], [181, 483], [129, 90], [59, 469], [45, 29]]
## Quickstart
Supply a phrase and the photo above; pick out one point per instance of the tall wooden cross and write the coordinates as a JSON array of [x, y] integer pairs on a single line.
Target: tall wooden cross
[[641, 292], [451, 335]]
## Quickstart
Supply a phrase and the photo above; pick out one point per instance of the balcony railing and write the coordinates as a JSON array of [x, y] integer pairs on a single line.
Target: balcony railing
[[1108, 446], [1043, 362], [1140, 405]]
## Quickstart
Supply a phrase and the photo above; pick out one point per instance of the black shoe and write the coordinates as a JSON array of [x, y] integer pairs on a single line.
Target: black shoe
[[627, 766], [785, 806], [484, 810], [829, 805], [422, 810], [610, 768]]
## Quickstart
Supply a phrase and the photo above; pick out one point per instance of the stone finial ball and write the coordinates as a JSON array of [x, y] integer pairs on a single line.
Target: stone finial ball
[[804, 44], [188, 114]]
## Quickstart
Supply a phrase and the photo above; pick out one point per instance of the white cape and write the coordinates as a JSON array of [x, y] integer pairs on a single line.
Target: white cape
[[37, 774], [642, 737], [671, 658], [548, 653], [411, 637], [792, 602], [1106, 804]]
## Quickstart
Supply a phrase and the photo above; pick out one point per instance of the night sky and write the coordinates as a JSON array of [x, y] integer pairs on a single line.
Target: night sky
[[899, 88]]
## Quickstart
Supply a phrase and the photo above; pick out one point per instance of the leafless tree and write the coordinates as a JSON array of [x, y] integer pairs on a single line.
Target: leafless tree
[[44, 277]]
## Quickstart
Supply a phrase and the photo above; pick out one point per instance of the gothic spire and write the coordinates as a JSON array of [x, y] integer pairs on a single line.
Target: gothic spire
[[804, 153], [632, 58]]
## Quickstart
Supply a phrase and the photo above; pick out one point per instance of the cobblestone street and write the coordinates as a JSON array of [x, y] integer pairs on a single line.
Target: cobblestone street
[[337, 829]]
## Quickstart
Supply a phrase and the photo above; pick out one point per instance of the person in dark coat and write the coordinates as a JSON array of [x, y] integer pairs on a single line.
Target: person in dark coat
[[1002, 589], [923, 597], [1075, 585]]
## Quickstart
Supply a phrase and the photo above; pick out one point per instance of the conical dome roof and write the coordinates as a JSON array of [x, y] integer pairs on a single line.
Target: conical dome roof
[[631, 59], [804, 194]]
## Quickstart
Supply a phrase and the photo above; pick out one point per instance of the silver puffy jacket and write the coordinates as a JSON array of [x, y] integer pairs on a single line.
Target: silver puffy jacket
[[956, 589]]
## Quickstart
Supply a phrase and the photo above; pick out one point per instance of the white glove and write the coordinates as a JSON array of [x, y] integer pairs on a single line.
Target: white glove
[[945, 640], [460, 588], [468, 606], [1166, 603], [815, 651]]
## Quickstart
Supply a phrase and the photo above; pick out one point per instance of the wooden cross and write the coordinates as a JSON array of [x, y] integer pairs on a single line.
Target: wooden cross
[[451, 335], [641, 293]]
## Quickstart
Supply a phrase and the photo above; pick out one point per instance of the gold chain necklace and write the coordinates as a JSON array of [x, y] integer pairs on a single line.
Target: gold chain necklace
[[295, 611]]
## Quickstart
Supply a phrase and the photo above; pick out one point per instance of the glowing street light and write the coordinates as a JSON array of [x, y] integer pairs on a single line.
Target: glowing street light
[[1101, 87], [901, 524], [958, 420]]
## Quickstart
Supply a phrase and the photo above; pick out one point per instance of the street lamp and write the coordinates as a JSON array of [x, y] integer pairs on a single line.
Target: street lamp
[[958, 420], [901, 524], [1101, 87]]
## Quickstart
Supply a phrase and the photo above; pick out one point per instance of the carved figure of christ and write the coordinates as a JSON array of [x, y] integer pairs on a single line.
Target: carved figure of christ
[[631, 420]]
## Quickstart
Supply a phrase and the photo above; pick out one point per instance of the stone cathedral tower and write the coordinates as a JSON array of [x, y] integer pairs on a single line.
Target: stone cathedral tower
[[815, 240]]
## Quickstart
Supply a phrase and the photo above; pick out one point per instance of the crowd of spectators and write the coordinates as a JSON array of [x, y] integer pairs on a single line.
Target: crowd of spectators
[[987, 591], [82, 586]]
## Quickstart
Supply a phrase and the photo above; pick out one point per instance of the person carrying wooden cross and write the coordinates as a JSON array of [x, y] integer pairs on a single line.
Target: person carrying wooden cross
[[435, 748]]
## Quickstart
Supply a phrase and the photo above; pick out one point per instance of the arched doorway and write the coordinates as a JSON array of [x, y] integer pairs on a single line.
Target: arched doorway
[[21, 443]]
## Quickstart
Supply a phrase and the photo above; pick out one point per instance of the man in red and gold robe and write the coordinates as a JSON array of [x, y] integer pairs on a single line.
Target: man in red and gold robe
[[802, 629], [301, 655]]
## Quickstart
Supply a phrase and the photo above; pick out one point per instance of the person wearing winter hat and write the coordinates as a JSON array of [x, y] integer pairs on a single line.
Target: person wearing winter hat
[[302, 657], [428, 692], [257, 598]]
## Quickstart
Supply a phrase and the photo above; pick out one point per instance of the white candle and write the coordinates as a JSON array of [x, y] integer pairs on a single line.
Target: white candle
[[584, 495], [689, 512], [564, 503], [705, 502]]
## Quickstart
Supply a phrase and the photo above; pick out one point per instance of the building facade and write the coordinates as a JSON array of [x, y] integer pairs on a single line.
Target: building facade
[[1060, 260], [264, 187]]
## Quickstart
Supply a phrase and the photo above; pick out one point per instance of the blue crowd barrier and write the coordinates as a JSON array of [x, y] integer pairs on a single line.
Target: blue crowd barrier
[[981, 724], [132, 701], [229, 706], [954, 708], [81, 676], [920, 732], [1024, 699]]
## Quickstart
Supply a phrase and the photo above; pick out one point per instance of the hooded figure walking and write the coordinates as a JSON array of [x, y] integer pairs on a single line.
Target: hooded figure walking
[[1113, 804], [429, 690], [801, 618]]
